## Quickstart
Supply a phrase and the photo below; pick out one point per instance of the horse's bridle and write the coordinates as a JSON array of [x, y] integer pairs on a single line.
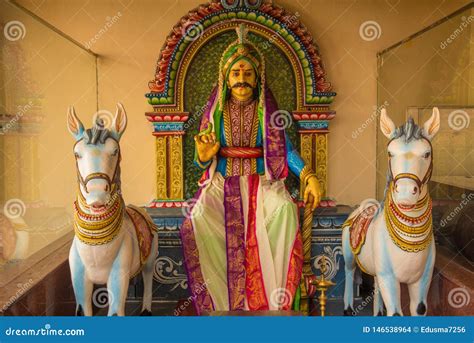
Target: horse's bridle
[[420, 183], [114, 181]]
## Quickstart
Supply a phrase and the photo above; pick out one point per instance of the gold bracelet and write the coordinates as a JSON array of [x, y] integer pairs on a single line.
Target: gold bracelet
[[305, 174]]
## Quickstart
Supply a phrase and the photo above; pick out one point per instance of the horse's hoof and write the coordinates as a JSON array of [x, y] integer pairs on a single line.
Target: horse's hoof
[[349, 312], [421, 309], [146, 313], [79, 311], [396, 314]]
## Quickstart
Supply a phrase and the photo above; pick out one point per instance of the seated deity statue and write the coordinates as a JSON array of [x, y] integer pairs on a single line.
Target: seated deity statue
[[241, 239]]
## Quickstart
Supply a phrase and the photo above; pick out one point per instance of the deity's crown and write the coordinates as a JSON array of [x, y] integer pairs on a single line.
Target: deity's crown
[[242, 47]]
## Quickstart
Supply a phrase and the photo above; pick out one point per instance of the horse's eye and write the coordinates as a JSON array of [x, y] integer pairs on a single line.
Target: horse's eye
[[76, 155], [115, 153], [390, 154], [427, 154]]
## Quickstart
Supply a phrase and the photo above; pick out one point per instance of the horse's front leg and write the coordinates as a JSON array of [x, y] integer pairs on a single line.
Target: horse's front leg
[[81, 284], [378, 301], [118, 281], [390, 290], [419, 290], [147, 273]]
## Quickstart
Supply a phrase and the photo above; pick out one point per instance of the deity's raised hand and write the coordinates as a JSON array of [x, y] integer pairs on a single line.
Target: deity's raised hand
[[206, 144]]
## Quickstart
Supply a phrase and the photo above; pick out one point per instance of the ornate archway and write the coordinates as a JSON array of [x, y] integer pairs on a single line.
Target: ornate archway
[[200, 27]]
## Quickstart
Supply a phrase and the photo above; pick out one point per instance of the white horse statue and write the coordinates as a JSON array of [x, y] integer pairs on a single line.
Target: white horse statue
[[393, 240], [112, 242]]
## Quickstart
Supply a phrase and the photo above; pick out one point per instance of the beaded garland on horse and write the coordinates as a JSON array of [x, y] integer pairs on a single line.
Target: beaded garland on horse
[[410, 234], [98, 229]]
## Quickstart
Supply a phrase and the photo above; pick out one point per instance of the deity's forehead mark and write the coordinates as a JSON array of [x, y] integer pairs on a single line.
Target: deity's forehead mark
[[241, 62]]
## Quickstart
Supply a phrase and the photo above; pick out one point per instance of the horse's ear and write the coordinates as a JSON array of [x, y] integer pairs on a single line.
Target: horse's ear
[[386, 124], [431, 126], [120, 121], [74, 124]]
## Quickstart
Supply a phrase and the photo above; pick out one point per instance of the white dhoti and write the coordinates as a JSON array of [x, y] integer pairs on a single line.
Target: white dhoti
[[242, 245]]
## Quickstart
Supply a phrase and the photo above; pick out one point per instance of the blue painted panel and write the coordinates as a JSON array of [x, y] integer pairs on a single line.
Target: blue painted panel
[[170, 283], [168, 126], [313, 124], [326, 240]]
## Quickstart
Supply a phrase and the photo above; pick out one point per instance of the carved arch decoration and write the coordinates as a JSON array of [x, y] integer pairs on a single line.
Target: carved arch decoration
[[196, 29]]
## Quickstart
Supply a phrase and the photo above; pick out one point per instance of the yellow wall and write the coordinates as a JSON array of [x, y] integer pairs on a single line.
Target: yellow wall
[[41, 74], [432, 69], [130, 48]]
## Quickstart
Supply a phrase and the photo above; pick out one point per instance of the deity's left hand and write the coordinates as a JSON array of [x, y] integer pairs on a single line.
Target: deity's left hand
[[313, 188]]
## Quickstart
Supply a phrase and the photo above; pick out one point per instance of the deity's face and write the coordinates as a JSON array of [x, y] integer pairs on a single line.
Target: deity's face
[[242, 80]]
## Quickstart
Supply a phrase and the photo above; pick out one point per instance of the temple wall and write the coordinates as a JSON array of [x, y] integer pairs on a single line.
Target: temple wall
[[130, 45]]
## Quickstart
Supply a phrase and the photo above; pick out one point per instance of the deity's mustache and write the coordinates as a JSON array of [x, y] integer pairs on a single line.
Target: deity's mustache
[[242, 84]]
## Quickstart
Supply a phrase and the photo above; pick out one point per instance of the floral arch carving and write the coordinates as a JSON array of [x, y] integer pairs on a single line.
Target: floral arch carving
[[199, 27]]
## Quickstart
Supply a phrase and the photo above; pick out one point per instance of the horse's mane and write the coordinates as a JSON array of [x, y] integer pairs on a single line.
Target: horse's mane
[[97, 134], [410, 130]]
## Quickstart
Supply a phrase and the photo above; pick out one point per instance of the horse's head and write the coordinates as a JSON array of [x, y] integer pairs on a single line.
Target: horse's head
[[410, 159], [97, 154]]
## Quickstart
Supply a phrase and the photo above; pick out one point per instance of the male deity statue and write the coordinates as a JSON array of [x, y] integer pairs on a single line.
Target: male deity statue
[[241, 240]]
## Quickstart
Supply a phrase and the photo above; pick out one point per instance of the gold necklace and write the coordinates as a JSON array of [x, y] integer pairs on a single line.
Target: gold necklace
[[397, 229], [98, 229]]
